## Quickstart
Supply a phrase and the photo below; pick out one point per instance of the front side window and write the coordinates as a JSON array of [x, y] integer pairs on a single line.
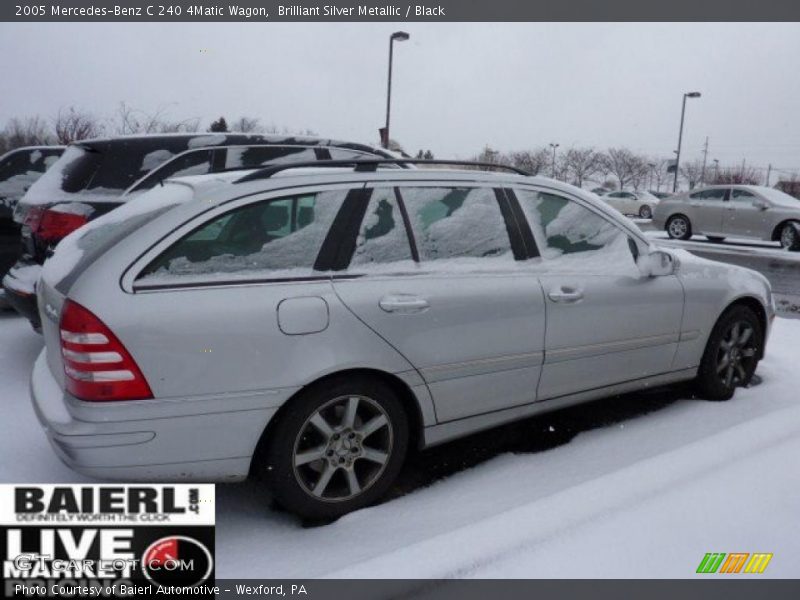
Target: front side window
[[457, 223], [563, 227], [742, 196], [244, 157], [272, 239], [382, 241]]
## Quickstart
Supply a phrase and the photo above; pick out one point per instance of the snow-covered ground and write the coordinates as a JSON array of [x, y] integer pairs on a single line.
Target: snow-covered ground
[[646, 486]]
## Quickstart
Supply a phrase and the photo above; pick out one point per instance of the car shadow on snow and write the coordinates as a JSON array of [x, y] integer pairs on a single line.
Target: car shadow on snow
[[423, 468]]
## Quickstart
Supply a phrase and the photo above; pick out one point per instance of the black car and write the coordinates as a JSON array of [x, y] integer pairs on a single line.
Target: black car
[[19, 170], [95, 176]]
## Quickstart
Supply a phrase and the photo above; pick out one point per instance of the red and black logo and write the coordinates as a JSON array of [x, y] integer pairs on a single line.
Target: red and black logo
[[177, 561]]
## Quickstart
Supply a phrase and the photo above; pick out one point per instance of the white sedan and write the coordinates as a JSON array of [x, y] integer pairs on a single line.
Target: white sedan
[[641, 204]]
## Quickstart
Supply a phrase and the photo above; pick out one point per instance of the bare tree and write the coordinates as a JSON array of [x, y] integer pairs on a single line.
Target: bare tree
[[692, 172], [617, 162], [734, 175], [658, 170], [72, 125], [246, 125], [532, 161], [581, 163], [130, 120], [28, 131]]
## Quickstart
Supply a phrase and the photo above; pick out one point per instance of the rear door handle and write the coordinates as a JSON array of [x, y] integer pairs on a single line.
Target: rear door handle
[[566, 295], [403, 303]]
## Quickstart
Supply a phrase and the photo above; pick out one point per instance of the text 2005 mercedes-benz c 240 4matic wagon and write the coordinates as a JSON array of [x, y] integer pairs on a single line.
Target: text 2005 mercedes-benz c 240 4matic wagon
[[311, 325]]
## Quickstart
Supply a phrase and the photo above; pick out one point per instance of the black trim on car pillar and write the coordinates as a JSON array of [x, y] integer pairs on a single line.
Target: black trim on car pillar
[[322, 154], [522, 224], [412, 242], [219, 157], [339, 245]]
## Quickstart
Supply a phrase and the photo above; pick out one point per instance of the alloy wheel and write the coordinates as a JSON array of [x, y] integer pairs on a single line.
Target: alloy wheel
[[343, 448], [645, 212], [788, 236], [736, 354], [678, 227]]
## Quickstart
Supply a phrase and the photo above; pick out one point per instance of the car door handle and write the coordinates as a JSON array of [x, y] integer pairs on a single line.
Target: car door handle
[[403, 303], [566, 295]]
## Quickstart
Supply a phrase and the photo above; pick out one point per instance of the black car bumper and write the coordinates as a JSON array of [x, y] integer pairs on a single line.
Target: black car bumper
[[20, 292]]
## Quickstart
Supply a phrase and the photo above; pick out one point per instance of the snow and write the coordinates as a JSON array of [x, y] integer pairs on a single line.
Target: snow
[[629, 496], [73, 208], [13, 188], [25, 277], [214, 139], [155, 159]]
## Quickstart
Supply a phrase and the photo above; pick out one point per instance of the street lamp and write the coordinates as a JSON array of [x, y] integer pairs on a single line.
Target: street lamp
[[716, 170], [554, 146], [397, 36], [680, 138]]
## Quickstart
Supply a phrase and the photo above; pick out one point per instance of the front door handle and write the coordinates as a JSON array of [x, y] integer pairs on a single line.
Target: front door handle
[[403, 303], [566, 295]]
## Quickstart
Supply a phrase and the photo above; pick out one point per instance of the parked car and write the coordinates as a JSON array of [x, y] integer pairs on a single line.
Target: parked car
[[312, 327], [19, 169], [743, 211], [94, 177], [640, 204]]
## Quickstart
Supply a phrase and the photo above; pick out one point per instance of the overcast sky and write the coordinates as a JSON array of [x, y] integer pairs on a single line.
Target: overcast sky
[[457, 87]]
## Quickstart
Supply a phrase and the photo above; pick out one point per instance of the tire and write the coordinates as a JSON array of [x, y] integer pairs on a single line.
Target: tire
[[679, 227], [789, 236], [725, 367], [715, 239], [314, 441], [645, 212]]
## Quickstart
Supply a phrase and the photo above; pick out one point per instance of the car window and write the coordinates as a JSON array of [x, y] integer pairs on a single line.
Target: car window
[[273, 239], [717, 194], [382, 238], [742, 196], [457, 223], [259, 156], [564, 227], [189, 163], [19, 170]]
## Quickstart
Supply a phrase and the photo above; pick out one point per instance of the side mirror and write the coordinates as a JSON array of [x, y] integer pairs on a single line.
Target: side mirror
[[657, 263], [760, 204]]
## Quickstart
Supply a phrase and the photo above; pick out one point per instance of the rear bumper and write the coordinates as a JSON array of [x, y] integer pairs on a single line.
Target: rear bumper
[[108, 444], [19, 286]]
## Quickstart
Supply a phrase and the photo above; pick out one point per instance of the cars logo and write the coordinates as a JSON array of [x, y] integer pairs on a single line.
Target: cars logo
[[177, 561]]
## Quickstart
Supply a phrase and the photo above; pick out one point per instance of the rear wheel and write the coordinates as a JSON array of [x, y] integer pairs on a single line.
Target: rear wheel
[[731, 355], [645, 212], [337, 448], [790, 236], [679, 228], [716, 239]]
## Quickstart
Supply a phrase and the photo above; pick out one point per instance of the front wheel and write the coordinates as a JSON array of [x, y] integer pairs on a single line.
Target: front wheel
[[790, 238], [731, 355], [645, 212], [337, 448], [679, 228]]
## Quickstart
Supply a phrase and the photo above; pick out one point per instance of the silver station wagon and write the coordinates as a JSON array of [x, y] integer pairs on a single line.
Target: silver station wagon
[[312, 325]]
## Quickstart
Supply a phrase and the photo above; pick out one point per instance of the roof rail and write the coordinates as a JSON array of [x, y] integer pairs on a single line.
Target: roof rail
[[370, 165]]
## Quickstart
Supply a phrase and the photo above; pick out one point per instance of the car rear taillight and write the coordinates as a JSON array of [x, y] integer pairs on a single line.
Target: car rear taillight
[[97, 366], [53, 226]]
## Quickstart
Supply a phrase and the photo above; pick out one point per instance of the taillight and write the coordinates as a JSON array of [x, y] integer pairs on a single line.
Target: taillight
[[97, 366], [53, 226]]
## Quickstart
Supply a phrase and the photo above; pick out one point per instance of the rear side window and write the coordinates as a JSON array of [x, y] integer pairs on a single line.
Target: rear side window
[[564, 227], [273, 239], [742, 196], [197, 162], [456, 222], [21, 169], [382, 238], [709, 195], [259, 156]]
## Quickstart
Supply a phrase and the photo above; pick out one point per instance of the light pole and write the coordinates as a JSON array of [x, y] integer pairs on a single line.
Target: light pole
[[680, 138], [399, 36], [554, 146]]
